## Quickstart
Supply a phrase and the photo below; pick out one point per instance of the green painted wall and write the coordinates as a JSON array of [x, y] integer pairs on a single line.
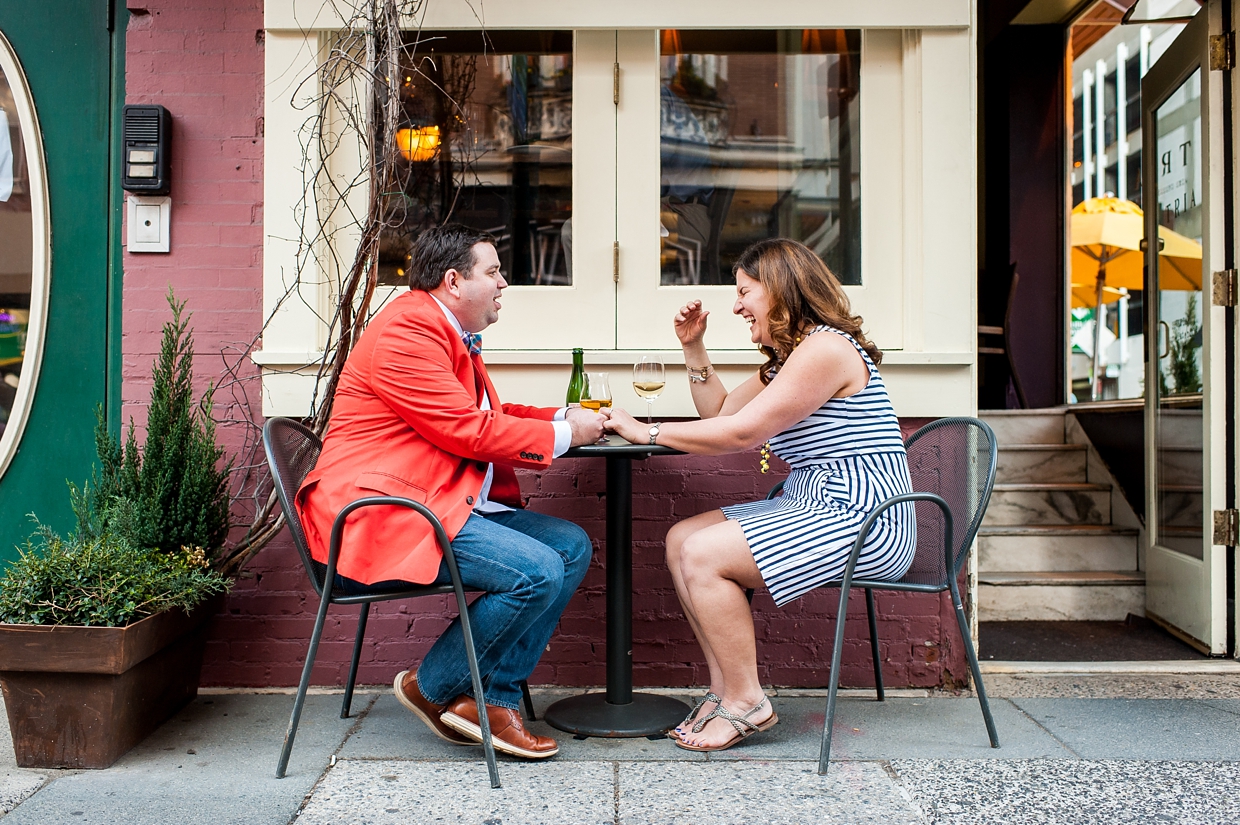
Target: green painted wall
[[72, 53]]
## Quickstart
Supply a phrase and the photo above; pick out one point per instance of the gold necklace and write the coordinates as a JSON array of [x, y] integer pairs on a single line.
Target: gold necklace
[[764, 455]]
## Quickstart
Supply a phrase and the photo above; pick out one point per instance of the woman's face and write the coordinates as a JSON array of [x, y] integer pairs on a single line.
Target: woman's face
[[754, 305]]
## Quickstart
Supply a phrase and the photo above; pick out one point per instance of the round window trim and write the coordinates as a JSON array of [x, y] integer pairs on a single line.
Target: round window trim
[[41, 254]]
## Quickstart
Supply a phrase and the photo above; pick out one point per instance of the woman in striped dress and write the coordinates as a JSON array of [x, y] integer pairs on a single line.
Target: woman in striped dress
[[818, 403]]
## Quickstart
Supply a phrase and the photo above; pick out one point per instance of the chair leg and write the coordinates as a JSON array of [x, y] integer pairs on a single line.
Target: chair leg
[[357, 656], [973, 666], [529, 701], [878, 668], [837, 651], [293, 721], [488, 748]]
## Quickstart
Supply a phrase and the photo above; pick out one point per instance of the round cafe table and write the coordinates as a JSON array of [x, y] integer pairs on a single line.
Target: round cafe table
[[618, 712]]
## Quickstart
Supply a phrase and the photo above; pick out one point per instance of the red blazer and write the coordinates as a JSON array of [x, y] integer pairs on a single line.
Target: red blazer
[[405, 422]]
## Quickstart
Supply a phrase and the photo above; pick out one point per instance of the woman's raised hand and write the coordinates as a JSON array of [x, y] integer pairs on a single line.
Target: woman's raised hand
[[690, 323]]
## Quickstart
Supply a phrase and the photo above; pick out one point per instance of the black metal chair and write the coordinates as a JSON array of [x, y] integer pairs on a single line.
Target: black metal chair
[[292, 451], [952, 464]]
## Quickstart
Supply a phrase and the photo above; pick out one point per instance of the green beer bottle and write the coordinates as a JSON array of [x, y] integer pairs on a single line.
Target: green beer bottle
[[576, 381]]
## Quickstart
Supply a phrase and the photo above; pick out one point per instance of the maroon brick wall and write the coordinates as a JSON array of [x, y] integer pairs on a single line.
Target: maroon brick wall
[[203, 59]]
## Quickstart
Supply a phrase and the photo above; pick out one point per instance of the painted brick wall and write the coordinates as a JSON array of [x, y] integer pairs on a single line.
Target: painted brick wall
[[203, 59]]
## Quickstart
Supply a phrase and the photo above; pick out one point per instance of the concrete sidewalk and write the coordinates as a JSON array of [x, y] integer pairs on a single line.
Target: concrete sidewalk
[[1074, 750]]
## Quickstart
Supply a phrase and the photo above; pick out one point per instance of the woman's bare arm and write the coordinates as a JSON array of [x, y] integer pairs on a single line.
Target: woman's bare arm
[[823, 367]]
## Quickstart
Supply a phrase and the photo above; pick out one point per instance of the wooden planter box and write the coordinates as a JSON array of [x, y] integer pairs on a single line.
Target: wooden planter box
[[80, 697]]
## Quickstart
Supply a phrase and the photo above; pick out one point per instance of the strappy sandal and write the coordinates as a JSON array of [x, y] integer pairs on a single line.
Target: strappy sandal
[[709, 697], [744, 728]]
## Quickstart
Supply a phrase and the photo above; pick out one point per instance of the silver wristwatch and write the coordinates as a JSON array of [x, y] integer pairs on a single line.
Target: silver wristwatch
[[654, 433]]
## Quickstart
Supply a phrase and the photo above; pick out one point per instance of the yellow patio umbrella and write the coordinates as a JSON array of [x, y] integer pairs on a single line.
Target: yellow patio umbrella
[[1106, 253], [1084, 295]]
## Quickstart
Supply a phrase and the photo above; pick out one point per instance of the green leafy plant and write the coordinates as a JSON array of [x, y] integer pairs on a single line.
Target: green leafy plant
[[177, 481], [101, 580], [149, 522], [1184, 347]]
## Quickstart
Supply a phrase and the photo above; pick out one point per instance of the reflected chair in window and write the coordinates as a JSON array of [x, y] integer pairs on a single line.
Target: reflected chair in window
[[688, 258], [292, 451], [1004, 333], [952, 464], [545, 241]]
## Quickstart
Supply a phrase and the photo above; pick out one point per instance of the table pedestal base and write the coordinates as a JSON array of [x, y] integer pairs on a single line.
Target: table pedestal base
[[592, 715]]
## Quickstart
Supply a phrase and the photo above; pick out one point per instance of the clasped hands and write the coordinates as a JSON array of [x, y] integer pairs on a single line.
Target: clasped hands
[[590, 427], [587, 426]]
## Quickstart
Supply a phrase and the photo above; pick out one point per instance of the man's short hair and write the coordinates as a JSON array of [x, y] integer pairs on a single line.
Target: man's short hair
[[441, 248]]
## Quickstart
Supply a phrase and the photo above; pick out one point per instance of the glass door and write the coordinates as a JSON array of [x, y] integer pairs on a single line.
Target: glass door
[[1185, 402]]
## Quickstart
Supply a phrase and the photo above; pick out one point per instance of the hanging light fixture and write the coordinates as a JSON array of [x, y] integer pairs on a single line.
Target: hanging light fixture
[[418, 143]]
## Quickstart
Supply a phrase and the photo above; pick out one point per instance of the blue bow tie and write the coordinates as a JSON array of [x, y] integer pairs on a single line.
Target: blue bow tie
[[472, 341]]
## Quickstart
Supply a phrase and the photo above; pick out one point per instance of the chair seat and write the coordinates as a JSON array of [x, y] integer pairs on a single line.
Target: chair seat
[[397, 593], [886, 584]]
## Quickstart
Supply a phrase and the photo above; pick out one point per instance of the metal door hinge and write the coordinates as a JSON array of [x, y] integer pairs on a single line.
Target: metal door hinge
[[615, 261], [1226, 528], [1225, 288], [615, 84], [1222, 51]]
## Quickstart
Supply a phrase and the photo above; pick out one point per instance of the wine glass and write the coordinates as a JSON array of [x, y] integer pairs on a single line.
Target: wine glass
[[648, 380], [596, 393]]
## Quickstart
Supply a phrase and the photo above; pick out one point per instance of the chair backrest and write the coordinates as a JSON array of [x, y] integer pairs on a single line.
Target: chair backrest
[[292, 451], [956, 459]]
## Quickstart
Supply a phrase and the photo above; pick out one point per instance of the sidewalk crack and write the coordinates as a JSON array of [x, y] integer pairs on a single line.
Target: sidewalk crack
[[333, 759], [1048, 731]]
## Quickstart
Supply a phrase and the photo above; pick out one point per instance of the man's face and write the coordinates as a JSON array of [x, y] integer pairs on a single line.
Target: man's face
[[477, 304]]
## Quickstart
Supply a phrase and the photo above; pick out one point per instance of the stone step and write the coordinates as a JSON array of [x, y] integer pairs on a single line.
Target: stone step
[[1026, 426], [1097, 547], [1098, 595], [1185, 466], [1045, 504], [1042, 463], [1181, 505]]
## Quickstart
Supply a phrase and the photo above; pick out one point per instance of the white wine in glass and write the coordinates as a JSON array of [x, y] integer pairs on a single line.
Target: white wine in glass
[[648, 381]]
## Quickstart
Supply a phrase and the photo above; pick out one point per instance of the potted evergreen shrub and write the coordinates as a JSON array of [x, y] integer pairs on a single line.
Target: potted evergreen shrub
[[102, 631]]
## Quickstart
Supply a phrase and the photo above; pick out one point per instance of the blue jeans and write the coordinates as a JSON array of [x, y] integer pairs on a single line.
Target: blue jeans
[[529, 566]]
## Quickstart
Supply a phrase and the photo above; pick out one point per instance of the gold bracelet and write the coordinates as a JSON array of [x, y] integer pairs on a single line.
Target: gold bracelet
[[700, 375]]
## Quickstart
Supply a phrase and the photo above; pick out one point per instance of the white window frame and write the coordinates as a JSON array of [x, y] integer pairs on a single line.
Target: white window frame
[[918, 197]]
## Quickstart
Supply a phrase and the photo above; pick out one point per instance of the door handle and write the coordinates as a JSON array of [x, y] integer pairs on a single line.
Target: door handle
[[1164, 327]]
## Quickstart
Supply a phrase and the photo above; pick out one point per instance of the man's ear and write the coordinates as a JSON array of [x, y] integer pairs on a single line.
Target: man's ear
[[452, 281]]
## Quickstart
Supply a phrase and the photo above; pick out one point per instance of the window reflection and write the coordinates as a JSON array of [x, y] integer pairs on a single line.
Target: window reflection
[[486, 140], [760, 138], [16, 252]]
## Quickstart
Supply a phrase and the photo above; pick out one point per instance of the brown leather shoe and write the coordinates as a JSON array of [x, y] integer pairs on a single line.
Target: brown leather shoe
[[410, 695], [508, 734]]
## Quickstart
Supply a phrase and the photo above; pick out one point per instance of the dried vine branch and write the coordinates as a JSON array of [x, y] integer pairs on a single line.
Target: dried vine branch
[[353, 98]]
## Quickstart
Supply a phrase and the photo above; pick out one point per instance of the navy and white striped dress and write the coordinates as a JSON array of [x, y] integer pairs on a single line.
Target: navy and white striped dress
[[847, 457]]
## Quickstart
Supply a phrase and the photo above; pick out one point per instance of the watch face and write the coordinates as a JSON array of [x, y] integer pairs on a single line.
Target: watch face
[[654, 430]]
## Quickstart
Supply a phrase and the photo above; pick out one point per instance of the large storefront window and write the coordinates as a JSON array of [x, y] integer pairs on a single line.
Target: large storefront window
[[486, 140], [759, 136]]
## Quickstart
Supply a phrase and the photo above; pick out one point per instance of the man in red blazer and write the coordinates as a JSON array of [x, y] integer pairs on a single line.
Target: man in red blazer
[[416, 416]]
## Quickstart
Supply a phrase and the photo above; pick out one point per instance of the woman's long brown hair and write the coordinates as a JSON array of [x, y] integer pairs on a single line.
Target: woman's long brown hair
[[803, 294]]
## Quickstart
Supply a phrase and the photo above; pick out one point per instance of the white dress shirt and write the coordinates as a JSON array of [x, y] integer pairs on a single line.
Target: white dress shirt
[[563, 433]]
